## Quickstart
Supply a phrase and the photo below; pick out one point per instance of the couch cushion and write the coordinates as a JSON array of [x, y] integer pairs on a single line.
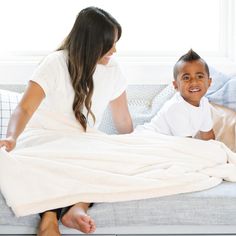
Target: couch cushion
[[210, 207], [215, 206]]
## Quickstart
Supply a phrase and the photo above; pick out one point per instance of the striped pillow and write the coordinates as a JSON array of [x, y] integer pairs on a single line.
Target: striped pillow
[[8, 102]]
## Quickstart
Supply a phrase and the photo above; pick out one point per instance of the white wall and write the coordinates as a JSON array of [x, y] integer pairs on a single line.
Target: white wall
[[148, 70]]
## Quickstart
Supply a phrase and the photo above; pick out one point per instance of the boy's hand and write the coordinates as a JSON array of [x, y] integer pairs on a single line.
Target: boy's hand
[[9, 143]]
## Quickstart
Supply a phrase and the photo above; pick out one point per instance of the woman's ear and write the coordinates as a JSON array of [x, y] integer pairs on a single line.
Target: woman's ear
[[175, 84]]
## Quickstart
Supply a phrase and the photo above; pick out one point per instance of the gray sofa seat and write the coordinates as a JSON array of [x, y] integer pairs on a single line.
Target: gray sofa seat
[[215, 206]]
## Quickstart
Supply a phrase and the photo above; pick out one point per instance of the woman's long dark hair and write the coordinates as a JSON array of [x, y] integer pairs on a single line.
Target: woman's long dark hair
[[91, 37]]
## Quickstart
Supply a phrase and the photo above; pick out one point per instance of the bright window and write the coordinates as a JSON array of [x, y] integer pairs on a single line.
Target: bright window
[[150, 27]]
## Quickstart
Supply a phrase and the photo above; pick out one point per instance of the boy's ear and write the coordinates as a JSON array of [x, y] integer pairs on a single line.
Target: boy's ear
[[209, 81], [175, 84]]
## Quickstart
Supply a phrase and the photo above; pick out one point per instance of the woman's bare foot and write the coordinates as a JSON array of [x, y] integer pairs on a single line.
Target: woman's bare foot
[[49, 225], [77, 218]]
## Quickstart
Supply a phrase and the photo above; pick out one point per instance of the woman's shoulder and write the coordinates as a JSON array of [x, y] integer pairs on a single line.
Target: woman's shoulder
[[56, 56], [55, 59], [174, 104]]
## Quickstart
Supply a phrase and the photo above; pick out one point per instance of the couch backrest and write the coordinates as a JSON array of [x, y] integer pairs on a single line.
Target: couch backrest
[[13, 87]]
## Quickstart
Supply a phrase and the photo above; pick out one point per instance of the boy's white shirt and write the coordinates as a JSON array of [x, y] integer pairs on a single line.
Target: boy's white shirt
[[179, 118]]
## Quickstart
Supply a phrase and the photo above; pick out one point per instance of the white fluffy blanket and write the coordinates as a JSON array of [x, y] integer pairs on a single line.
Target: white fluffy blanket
[[51, 169]]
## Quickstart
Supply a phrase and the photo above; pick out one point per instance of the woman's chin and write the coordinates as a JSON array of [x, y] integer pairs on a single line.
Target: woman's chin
[[104, 61]]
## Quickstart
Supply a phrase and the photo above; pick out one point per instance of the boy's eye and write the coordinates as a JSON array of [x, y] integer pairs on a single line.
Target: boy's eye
[[200, 76], [186, 78]]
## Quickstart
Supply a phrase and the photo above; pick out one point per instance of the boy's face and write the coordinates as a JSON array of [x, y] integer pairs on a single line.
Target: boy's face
[[192, 81]]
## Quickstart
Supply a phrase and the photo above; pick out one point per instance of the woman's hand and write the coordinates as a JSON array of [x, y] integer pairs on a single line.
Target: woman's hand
[[9, 143]]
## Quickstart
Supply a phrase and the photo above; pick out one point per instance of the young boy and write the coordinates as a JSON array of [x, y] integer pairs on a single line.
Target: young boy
[[187, 113]]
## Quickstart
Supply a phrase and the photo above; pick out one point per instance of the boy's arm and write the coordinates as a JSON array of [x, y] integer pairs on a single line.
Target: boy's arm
[[207, 124], [207, 135]]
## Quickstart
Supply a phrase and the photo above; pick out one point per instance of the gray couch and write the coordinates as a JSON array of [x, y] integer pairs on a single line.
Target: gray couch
[[212, 211]]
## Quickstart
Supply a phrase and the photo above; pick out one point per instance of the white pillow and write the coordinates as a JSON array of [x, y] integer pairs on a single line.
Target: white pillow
[[8, 102]]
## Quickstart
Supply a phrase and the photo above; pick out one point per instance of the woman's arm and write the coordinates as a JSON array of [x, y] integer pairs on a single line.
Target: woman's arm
[[207, 135], [30, 101], [121, 115]]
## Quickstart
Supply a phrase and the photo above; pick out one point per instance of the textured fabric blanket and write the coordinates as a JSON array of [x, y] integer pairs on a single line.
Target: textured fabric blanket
[[51, 169]]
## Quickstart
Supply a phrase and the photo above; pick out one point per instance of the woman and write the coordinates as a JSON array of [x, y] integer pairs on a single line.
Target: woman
[[75, 83]]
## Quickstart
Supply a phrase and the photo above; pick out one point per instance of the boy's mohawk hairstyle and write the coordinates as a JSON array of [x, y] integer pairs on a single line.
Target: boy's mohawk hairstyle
[[190, 56]]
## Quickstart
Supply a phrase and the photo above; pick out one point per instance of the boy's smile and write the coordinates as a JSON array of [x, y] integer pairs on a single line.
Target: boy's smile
[[192, 81]]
